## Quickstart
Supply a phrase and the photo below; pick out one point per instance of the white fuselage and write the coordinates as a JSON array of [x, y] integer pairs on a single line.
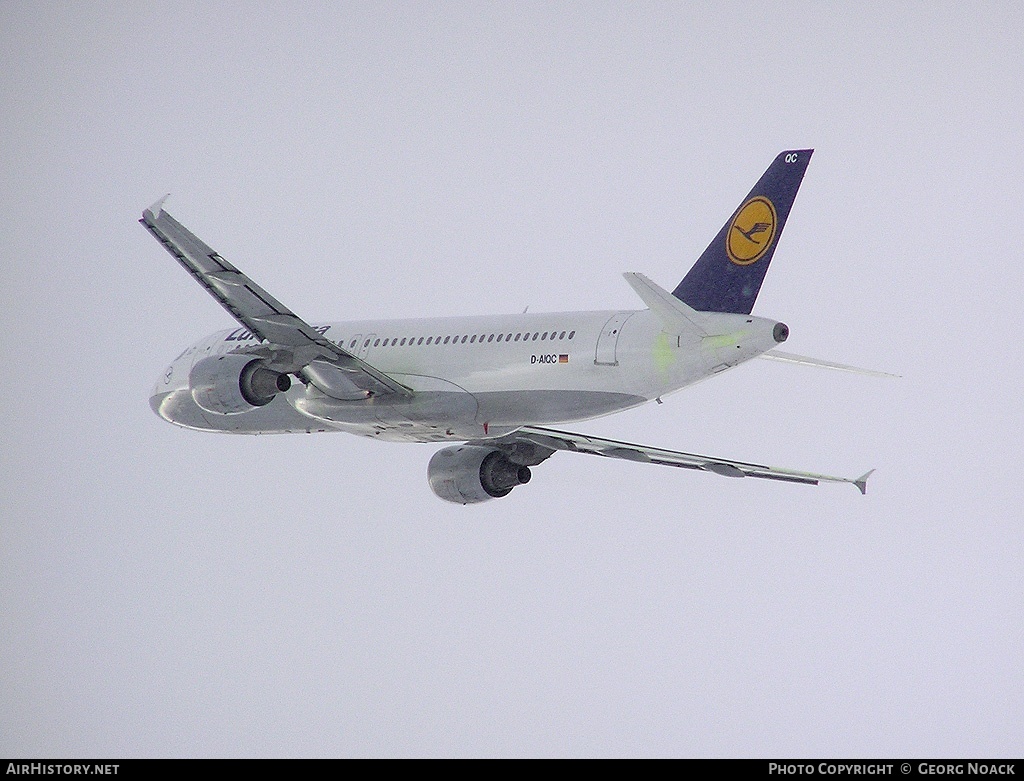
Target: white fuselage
[[480, 377]]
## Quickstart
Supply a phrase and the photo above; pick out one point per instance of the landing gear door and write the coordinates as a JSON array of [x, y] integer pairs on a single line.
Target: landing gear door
[[609, 339]]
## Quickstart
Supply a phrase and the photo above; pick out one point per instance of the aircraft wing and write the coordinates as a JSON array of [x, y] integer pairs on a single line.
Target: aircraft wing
[[550, 439], [292, 344]]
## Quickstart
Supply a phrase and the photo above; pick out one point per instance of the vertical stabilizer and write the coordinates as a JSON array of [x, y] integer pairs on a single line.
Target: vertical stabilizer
[[728, 275]]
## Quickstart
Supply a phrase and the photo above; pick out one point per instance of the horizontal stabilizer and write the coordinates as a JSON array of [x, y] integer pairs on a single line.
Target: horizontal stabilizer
[[803, 360], [676, 316]]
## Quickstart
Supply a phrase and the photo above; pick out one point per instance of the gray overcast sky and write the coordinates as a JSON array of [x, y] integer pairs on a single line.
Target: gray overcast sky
[[169, 593]]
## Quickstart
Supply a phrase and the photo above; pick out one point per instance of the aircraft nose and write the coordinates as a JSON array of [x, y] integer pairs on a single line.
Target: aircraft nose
[[164, 383]]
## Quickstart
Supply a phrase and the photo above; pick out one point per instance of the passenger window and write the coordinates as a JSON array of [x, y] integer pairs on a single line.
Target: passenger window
[[353, 343], [500, 337], [420, 341], [572, 334], [403, 342], [473, 339], [464, 338], [561, 335], [517, 337], [366, 343], [446, 339], [490, 338], [535, 335], [377, 343], [544, 336]]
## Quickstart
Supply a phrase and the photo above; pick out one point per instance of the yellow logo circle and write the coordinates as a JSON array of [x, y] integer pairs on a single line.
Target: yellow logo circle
[[751, 232]]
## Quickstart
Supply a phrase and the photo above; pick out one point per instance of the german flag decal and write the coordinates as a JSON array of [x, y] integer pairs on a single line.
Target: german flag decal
[[563, 358]]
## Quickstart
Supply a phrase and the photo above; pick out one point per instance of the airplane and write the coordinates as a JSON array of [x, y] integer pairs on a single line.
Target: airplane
[[491, 385]]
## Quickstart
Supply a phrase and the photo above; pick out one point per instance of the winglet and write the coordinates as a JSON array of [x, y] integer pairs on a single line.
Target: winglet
[[154, 210], [862, 482]]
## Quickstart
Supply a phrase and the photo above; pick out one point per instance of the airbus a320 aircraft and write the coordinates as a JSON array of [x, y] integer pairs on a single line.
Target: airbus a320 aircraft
[[490, 385]]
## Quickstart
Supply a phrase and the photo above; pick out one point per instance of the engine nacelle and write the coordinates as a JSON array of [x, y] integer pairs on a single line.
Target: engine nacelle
[[466, 474], [234, 383]]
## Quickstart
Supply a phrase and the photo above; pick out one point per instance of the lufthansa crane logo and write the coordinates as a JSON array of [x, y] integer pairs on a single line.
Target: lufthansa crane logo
[[751, 232]]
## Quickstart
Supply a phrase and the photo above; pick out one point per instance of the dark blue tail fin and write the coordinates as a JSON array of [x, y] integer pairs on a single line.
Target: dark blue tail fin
[[728, 276]]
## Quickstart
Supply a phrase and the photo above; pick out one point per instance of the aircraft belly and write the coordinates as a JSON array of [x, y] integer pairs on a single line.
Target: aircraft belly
[[277, 417], [438, 410], [516, 408]]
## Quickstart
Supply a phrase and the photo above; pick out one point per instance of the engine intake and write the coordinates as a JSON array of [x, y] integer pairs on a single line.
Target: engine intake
[[233, 383], [467, 474]]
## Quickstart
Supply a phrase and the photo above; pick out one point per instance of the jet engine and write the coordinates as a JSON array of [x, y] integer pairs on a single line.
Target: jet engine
[[467, 474], [234, 383]]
